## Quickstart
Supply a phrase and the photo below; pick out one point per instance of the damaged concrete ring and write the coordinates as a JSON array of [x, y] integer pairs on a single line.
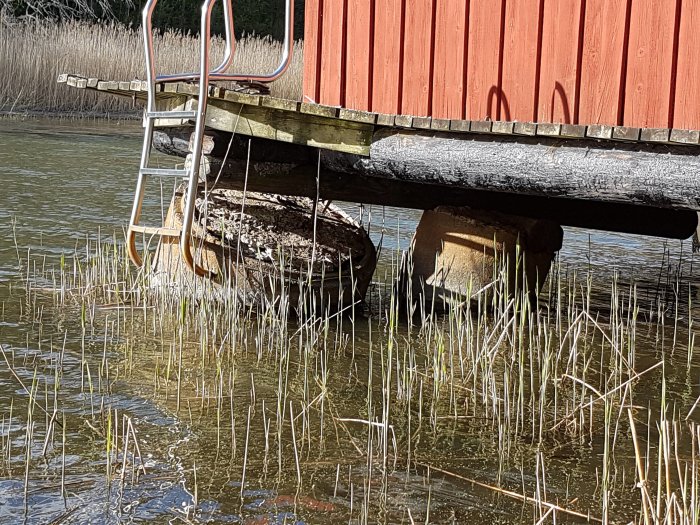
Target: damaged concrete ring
[[266, 252]]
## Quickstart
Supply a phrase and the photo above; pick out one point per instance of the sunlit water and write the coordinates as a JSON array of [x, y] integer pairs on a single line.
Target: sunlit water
[[64, 181]]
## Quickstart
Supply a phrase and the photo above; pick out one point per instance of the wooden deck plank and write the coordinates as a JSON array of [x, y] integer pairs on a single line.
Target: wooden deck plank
[[422, 122], [685, 136], [358, 116], [625, 133], [525, 128], [502, 127], [384, 119], [279, 103], [548, 129], [655, 135], [403, 121], [440, 124], [599, 131], [241, 98], [573, 131], [480, 126], [320, 110], [460, 125]]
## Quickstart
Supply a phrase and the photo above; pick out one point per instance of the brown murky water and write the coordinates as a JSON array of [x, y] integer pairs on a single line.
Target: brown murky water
[[217, 440]]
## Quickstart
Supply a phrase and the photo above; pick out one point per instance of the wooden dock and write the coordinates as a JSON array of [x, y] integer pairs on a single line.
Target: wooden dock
[[335, 119], [641, 180]]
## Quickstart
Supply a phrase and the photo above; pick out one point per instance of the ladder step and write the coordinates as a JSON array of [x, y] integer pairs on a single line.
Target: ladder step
[[171, 114], [155, 230], [164, 172]]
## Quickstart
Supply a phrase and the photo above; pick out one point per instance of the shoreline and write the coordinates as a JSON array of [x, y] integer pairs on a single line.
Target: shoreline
[[30, 114]]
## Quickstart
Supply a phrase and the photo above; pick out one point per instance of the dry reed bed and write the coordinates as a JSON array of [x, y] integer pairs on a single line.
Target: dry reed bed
[[524, 378], [33, 55]]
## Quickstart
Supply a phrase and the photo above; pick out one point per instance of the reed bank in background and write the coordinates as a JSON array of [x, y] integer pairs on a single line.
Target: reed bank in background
[[32, 55]]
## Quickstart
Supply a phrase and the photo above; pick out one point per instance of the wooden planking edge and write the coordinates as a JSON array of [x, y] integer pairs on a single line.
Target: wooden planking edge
[[685, 136], [355, 115], [573, 131]]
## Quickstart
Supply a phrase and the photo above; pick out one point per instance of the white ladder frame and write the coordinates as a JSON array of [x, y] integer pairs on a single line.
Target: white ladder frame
[[204, 76]]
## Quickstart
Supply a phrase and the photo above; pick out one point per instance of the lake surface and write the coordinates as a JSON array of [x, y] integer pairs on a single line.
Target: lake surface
[[79, 386]]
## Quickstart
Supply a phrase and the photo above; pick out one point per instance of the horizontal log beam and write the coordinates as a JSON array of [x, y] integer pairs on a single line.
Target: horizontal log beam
[[659, 176]]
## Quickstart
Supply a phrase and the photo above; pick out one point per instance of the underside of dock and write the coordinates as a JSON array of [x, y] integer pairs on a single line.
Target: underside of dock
[[603, 177]]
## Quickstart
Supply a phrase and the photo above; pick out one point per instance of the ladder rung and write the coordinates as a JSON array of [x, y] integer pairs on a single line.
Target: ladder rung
[[164, 172], [171, 114], [155, 230]]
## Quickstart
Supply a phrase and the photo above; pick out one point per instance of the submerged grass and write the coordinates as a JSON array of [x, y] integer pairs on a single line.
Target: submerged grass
[[375, 431], [32, 55]]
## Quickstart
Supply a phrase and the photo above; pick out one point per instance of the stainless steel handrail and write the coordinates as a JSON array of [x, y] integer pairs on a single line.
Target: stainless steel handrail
[[218, 72], [227, 61], [188, 212], [204, 76]]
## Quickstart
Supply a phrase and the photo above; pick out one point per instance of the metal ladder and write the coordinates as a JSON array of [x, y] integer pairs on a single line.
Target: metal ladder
[[151, 114]]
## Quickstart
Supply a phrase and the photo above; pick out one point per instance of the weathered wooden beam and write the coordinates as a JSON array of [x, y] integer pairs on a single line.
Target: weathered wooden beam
[[300, 180], [302, 128], [290, 169], [661, 175]]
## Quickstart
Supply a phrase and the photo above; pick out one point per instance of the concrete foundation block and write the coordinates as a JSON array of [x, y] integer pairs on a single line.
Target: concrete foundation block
[[458, 251], [267, 273]]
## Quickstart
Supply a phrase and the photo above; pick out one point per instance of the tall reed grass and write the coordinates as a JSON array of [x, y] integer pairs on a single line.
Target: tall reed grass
[[528, 380], [32, 55]]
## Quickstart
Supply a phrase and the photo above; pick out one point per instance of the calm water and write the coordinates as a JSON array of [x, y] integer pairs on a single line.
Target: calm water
[[64, 181]]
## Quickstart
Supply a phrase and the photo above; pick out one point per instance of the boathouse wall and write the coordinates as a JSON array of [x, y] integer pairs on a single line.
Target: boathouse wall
[[614, 62]]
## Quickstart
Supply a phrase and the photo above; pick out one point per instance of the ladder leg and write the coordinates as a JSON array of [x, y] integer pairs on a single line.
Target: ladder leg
[[188, 212], [138, 195]]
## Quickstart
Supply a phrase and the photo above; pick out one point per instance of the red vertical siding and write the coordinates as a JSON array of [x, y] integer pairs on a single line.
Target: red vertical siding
[[358, 64], [601, 65], [415, 99], [386, 56], [520, 58], [448, 65], [332, 51], [484, 58], [630, 62], [687, 106], [559, 56], [649, 64], [312, 42]]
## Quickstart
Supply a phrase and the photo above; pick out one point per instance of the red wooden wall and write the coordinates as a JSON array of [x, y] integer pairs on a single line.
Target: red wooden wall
[[618, 62]]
